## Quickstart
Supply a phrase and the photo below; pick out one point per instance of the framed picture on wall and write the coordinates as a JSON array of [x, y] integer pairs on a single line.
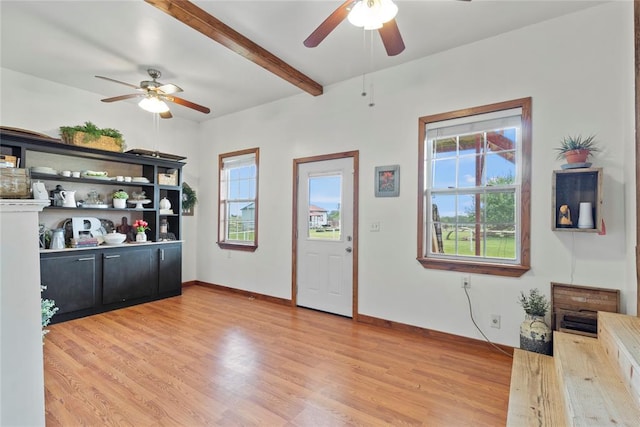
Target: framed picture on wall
[[387, 181]]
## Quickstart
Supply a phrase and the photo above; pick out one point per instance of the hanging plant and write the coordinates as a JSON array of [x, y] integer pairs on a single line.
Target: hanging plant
[[189, 198]]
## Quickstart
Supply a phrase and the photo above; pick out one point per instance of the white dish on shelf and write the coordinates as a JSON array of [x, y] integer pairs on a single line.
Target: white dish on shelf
[[139, 202], [140, 179], [95, 206], [44, 170], [114, 238]]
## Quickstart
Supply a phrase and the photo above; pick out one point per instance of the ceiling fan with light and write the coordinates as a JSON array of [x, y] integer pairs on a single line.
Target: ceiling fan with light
[[369, 14], [154, 94]]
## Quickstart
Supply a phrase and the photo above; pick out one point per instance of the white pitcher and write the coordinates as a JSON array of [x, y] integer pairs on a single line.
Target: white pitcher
[[68, 199]]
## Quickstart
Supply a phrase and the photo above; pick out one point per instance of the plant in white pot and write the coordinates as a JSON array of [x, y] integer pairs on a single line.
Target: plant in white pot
[[535, 334], [576, 149], [120, 199]]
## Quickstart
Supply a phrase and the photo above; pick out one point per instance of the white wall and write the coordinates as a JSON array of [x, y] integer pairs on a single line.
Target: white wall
[[43, 106], [579, 71]]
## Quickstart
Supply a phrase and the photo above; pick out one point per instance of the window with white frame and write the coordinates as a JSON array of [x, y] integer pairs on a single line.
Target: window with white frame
[[475, 188], [238, 200]]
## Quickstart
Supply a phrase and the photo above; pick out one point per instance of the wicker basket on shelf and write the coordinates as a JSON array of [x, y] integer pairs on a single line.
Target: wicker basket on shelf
[[102, 143]]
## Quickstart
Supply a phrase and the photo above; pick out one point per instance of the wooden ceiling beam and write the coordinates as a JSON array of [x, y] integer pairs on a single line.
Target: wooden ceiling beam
[[196, 18]]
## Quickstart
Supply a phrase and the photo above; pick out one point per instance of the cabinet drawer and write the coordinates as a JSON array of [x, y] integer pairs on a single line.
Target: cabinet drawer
[[70, 281]]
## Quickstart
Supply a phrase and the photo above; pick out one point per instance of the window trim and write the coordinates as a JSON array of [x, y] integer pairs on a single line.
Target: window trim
[[222, 243], [473, 266]]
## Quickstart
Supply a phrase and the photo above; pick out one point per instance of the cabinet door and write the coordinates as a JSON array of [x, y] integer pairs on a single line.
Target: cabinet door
[[127, 274], [170, 269], [70, 281]]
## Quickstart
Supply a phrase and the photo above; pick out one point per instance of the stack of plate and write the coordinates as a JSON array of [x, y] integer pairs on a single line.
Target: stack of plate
[[141, 179], [44, 170]]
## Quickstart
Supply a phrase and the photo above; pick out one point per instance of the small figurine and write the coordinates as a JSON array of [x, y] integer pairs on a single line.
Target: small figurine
[[565, 217], [126, 229]]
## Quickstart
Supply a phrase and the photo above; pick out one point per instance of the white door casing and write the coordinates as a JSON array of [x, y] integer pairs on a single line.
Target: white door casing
[[325, 253]]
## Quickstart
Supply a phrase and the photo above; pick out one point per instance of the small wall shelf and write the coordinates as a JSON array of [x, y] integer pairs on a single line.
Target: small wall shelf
[[572, 187]]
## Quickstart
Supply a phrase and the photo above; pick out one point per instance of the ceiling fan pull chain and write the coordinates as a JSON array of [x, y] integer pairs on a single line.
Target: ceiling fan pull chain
[[371, 102], [364, 91]]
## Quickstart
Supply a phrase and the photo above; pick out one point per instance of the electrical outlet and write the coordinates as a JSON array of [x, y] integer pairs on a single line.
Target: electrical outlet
[[465, 282], [374, 226], [495, 321]]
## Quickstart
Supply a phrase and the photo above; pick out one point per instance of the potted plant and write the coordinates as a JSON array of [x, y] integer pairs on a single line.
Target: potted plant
[[141, 226], [576, 149], [120, 199], [535, 334], [48, 309], [90, 135]]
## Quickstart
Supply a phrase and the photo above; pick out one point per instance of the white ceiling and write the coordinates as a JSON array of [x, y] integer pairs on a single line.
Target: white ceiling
[[69, 42]]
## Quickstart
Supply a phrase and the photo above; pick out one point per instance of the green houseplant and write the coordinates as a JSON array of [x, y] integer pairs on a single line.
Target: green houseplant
[[92, 136], [48, 309], [534, 304], [120, 199], [576, 149]]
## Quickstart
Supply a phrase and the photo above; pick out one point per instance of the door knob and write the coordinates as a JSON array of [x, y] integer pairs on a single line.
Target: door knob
[[349, 250]]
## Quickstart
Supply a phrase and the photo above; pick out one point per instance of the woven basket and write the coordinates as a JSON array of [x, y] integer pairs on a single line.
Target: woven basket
[[106, 143]]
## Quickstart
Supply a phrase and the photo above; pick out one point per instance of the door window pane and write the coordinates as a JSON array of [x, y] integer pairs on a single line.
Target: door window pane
[[325, 195]]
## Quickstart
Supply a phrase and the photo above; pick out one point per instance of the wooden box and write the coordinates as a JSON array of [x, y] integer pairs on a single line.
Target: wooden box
[[575, 308], [14, 184], [8, 161], [572, 187]]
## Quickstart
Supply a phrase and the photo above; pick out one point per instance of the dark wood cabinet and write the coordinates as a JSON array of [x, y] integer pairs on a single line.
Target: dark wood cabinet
[[170, 269], [127, 274], [70, 280], [90, 281]]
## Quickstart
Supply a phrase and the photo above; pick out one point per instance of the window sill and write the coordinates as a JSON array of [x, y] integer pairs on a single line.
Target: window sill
[[237, 247], [507, 270]]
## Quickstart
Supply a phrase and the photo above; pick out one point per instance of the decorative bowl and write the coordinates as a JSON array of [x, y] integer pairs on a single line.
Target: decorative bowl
[[114, 238]]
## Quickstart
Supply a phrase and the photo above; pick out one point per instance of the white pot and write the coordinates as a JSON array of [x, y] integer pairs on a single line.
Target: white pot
[[119, 203]]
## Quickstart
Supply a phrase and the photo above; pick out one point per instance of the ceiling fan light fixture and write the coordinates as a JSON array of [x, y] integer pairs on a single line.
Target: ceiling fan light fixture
[[371, 14], [153, 104]]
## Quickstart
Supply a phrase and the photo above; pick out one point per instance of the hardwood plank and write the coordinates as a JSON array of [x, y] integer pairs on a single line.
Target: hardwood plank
[[619, 335], [592, 391], [534, 399], [210, 357]]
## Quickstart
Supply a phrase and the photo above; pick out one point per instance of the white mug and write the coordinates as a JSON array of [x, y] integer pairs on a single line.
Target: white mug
[[127, 179], [119, 178], [65, 173], [75, 174]]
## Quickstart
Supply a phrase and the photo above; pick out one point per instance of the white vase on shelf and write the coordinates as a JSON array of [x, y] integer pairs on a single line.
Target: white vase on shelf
[[141, 237], [165, 204]]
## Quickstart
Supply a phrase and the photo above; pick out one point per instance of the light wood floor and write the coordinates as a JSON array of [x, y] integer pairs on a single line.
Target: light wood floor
[[214, 358]]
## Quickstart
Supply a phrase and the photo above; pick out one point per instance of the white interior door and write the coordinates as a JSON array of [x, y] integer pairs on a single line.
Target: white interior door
[[324, 256]]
